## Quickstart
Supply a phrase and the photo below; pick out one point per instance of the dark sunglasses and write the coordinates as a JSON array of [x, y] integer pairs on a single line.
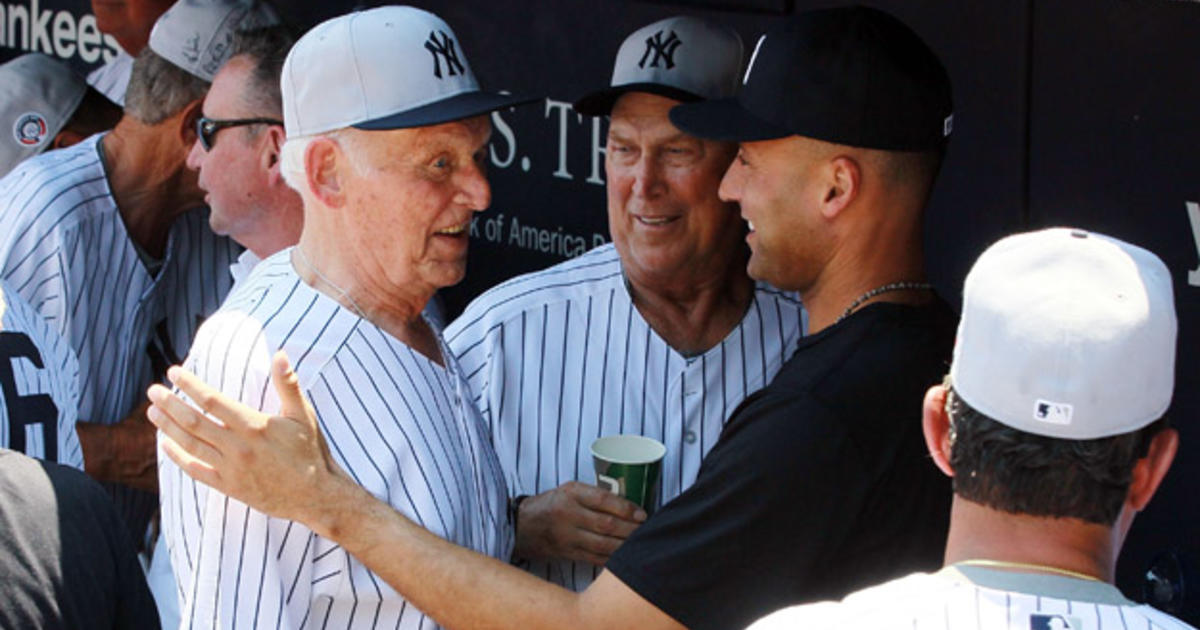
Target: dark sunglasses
[[207, 128]]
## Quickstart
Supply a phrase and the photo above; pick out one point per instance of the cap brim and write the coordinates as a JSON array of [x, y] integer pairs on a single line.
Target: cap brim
[[457, 107], [600, 102], [725, 120]]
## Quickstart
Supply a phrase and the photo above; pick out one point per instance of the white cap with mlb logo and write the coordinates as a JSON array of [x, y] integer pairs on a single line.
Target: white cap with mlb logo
[[684, 58], [38, 96], [390, 67], [1067, 334]]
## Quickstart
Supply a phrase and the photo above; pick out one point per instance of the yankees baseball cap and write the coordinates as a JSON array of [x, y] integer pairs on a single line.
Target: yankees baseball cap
[[1067, 334], [684, 58], [850, 75], [38, 95], [391, 67], [197, 35]]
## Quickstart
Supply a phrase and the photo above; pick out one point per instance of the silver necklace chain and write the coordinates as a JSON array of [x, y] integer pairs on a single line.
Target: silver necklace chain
[[891, 286], [342, 293]]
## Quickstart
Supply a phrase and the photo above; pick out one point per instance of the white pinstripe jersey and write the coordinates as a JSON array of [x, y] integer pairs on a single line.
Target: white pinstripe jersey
[[401, 425], [39, 385], [64, 248], [560, 357], [975, 598]]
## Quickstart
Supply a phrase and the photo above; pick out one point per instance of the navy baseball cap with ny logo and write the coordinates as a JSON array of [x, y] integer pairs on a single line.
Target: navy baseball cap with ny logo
[[390, 67], [850, 75]]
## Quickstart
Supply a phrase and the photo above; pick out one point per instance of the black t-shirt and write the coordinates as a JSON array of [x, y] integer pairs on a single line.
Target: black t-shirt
[[66, 560], [819, 485]]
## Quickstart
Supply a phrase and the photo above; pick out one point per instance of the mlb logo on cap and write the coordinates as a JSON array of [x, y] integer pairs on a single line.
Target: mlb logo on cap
[[390, 67], [1038, 621]]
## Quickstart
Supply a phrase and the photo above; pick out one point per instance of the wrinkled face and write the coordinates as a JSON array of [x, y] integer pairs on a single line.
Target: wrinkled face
[[233, 174], [411, 194], [777, 184], [129, 21], [663, 209]]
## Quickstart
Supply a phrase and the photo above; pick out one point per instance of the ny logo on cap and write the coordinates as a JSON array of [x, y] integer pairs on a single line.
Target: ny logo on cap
[[443, 49], [662, 49]]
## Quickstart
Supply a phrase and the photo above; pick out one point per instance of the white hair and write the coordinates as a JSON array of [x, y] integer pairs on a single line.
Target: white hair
[[291, 156]]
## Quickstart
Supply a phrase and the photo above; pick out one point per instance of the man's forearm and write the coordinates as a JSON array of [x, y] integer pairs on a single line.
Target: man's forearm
[[457, 587], [121, 453]]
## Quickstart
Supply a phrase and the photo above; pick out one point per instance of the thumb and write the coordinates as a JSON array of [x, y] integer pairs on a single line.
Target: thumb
[[291, 400]]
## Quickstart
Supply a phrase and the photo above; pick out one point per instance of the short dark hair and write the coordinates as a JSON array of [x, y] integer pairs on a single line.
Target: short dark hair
[[95, 113], [1021, 473], [267, 48]]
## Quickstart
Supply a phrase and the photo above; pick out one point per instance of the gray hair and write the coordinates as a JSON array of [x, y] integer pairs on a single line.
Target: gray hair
[[158, 89]]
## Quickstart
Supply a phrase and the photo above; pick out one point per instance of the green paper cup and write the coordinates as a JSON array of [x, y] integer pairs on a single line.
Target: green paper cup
[[629, 466]]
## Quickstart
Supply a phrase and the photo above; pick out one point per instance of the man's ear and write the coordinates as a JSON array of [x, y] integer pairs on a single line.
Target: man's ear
[[936, 424], [1150, 470], [66, 138], [321, 171], [272, 146], [187, 123], [843, 178]]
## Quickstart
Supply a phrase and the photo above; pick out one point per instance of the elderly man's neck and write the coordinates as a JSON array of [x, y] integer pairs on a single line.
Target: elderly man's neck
[[978, 532], [356, 282], [694, 308], [149, 180]]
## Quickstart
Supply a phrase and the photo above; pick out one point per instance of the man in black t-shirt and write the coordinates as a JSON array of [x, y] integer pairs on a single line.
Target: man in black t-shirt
[[819, 483], [66, 558]]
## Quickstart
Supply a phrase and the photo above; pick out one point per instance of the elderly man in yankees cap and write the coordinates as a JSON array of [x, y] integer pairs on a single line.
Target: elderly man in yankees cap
[[387, 133], [820, 482], [1051, 426], [687, 335]]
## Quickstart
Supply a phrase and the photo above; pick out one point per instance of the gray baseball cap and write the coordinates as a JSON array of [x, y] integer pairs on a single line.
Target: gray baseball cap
[[391, 67], [1067, 334], [197, 35], [38, 95], [684, 58]]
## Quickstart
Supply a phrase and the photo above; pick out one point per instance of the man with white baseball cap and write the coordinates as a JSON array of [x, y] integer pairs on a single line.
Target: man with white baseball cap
[[668, 302], [387, 133], [1051, 426], [46, 106]]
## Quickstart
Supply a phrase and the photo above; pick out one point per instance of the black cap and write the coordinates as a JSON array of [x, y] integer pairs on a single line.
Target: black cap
[[853, 75]]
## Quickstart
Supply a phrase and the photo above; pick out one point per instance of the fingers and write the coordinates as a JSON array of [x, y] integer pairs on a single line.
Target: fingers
[[191, 466], [601, 500], [166, 414], [594, 548], [233, 414], [291, 400]]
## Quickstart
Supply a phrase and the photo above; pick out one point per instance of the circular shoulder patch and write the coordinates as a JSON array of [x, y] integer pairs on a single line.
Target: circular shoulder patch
[[30, 129]]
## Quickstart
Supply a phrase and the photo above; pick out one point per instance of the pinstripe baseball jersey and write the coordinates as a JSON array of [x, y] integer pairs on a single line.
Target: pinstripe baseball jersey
[[39, 381], [65, 249], [401, 425], [963, 597], [560, 357]]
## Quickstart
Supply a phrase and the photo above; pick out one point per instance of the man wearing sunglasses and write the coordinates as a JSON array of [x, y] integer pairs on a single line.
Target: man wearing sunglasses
[[236, 153]]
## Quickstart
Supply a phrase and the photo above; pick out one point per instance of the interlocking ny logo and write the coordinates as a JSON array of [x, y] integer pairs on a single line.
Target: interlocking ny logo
[[663, 49], [443, 49]]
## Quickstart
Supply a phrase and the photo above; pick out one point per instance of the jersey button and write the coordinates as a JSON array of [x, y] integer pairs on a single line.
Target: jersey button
[[690, 437]]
